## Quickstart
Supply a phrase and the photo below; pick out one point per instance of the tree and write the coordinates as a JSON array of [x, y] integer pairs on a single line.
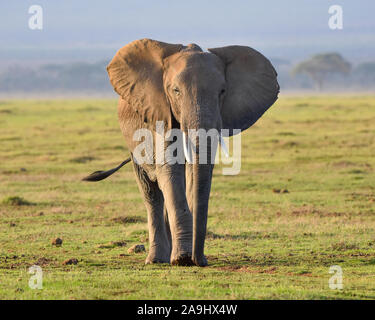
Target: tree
[[321, 65], [365, 73]]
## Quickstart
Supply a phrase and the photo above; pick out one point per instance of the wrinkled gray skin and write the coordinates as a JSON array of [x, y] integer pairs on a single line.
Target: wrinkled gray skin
[[229, 87]]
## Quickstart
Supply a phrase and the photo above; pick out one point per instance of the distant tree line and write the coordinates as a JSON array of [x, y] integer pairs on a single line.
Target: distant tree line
[[321, 66], [322, 72], [326, 71], [56, 77]]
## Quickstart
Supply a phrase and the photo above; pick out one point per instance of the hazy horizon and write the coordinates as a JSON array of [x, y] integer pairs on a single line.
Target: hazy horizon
[[93, 30]]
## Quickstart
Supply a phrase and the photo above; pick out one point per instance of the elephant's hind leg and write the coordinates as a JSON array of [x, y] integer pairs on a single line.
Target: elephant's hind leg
[[160, 246]]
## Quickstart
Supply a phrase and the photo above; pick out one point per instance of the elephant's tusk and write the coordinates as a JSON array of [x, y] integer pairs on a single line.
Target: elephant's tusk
[[187, 148], [223, 146]]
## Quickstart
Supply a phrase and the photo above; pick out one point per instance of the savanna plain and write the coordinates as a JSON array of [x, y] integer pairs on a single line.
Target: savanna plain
[[303, 201]]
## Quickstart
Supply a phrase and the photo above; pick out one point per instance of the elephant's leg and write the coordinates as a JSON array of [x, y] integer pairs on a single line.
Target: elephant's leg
[[160, 246], [171, 180]]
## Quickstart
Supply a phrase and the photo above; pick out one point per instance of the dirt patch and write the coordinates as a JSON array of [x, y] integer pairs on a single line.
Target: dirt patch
[[113, 244], [302, 274], [343, 246], [129, 219], [119, 243], [269, 271], [242, 236], [306, 211], [43, 261], [212, 235], [289, 144], [70, 261], [356, 196]]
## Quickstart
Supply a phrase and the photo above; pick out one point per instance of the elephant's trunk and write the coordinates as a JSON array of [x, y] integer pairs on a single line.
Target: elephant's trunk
[[202, 176], [200, 140]]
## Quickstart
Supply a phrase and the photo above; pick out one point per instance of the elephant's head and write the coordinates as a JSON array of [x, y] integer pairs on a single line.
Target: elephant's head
[[230, 87], [225, 88]]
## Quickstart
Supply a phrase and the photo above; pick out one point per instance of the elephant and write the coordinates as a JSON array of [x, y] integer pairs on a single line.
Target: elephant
[[185, 88]]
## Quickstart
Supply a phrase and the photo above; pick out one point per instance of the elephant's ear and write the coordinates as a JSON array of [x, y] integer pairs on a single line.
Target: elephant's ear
[[136, 74], [251, 86]]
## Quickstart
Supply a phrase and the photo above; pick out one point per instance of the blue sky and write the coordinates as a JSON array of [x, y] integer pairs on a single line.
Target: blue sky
[[94, 29]]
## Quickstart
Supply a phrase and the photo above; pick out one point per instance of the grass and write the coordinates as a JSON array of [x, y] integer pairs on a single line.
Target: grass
[[263, 242]]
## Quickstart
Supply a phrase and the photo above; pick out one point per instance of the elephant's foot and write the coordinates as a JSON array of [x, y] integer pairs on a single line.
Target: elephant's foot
[[200, 261], [182, 260], [157, 257], [150, 260]]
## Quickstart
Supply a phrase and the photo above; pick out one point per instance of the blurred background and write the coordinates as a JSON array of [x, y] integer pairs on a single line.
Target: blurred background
[[78, 39]]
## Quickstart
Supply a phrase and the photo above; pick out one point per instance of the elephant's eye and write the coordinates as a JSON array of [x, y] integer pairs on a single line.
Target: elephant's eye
[[176, 91], [222, 92]]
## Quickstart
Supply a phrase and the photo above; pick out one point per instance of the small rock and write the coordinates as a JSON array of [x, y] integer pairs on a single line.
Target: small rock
[[41, 213], [23, 169], [137, 248], [57, 242], [70, 261], [12, 224]]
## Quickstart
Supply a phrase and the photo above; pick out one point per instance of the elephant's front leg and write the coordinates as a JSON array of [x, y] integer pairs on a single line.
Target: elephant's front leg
[[160, 245], [171, 180]]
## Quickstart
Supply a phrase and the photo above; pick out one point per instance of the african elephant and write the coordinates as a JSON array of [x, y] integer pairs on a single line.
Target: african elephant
[[185, 87]]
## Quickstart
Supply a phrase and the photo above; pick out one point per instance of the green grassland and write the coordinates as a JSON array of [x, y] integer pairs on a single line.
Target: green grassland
[[261, 243]]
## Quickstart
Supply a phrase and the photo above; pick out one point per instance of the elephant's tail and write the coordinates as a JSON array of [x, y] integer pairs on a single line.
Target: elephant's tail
[[100, 175]]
